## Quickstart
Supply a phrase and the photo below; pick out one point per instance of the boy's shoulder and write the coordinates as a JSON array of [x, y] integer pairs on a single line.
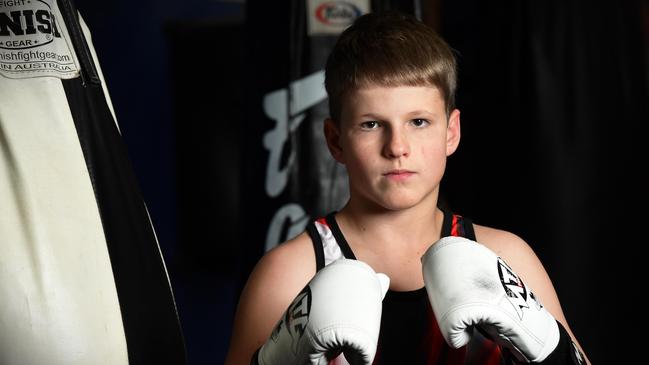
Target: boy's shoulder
[[502, 242], [296, 248], [294, 258], [513, 249]]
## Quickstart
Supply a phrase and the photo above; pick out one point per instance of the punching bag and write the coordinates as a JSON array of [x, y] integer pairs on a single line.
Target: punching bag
[[82, 278]]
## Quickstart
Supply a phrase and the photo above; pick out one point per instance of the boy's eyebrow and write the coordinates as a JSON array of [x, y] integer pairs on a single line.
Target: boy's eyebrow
[[371, 116], [419, 112]]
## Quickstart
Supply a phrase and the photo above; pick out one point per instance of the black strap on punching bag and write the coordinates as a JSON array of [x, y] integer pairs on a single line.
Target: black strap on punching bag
[[151, 324]]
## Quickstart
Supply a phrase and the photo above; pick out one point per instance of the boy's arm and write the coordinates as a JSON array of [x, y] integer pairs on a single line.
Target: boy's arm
[[275, 281], [522, 259]]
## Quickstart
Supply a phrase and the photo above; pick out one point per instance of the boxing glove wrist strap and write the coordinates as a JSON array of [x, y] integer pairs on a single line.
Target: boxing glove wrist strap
[[566, 352]]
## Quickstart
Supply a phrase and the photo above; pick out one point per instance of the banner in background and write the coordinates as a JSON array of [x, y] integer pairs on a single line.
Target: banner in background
[[289, 174]]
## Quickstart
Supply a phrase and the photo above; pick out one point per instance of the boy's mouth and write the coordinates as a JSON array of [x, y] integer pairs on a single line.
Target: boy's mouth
[[398, 175]]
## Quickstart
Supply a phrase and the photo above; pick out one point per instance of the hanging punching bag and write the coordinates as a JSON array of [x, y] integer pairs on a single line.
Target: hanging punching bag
[[82, 278]]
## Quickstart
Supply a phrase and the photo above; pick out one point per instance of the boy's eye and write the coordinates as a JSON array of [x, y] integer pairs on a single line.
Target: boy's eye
[[372, 124], [419, 122]]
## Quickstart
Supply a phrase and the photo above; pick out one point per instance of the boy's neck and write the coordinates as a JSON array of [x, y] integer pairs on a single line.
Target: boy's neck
[[410, 226]]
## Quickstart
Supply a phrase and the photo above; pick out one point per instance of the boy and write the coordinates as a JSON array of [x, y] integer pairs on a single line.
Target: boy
[[391, 83]]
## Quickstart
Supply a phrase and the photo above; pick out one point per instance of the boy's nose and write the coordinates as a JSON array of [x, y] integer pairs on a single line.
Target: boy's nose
[[396, 145]]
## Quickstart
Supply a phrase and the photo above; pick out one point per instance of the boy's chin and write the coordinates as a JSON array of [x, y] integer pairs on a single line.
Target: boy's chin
[[399, 203], [384, 201]]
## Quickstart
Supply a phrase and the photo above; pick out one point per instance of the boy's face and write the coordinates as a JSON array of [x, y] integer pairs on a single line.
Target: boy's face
[[394, 142]]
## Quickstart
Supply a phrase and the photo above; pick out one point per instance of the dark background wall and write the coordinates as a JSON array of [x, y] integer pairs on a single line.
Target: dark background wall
[[554, 102]]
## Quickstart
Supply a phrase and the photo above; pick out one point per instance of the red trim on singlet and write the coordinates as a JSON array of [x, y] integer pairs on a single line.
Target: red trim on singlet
[[495, 357], [435, 338], [454, 226], [322, 221], [440, 353]]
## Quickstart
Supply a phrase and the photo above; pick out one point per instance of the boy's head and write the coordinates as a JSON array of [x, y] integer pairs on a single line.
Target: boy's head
[[389, 49]]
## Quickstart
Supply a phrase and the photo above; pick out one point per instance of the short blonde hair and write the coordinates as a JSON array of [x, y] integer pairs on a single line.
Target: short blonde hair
[[389, 49]]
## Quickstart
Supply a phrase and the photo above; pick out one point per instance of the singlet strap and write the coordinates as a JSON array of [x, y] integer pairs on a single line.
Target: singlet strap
[[447, 224], [468, 229], [316, 240], [338, 234], [457, 225], [452, 225]]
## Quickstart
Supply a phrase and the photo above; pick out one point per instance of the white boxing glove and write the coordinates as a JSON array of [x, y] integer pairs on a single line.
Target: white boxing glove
[[338, 311], [469, 285]]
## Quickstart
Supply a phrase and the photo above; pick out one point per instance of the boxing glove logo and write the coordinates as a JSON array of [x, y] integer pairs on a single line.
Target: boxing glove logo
[[296, 319], [517, 292], [576, 355]]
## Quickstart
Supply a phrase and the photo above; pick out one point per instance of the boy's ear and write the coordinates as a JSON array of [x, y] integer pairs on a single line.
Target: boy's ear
[[453, 132], [332, 135]]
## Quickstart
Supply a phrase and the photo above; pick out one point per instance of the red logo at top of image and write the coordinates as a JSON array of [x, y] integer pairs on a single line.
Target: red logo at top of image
[[337, 13]]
